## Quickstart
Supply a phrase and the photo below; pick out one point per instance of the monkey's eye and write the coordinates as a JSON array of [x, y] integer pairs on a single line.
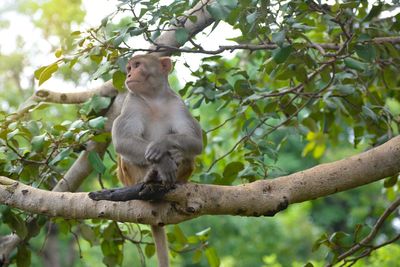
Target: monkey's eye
[[136, 64], [128, 68]]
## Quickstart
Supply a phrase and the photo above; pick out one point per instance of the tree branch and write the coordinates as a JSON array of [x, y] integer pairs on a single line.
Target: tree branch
[[168, 49], [43, 95], [366, 241], [187, 201]]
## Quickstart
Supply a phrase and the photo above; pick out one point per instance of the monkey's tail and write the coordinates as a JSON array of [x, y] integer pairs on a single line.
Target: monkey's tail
[[160, 239]]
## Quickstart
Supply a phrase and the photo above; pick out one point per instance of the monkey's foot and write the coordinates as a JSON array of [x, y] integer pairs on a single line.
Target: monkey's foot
[[140, 191]]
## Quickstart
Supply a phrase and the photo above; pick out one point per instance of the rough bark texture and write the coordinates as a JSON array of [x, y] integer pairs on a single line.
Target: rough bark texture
[[260, 198]]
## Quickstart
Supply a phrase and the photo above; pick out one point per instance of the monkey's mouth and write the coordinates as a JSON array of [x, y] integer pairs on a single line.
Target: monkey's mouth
[[133, 81]]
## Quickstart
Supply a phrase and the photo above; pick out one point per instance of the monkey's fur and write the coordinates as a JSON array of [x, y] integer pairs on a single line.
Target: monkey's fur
[[155, 136]]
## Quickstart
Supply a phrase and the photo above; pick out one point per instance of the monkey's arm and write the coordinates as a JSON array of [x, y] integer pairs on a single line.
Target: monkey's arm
[[131, 149], [186, 139], [127, 142]]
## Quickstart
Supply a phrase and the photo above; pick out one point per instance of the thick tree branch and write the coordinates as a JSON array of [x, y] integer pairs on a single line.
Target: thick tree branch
[[43, 95], [260, 198]]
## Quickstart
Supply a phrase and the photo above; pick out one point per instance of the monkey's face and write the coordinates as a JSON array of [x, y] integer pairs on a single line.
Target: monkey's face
[[146, 73]]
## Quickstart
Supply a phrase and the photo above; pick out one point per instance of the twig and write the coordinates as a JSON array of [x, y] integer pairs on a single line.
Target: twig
[[367, 240]]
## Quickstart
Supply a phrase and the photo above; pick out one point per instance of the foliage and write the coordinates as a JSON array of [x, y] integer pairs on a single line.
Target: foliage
[[307, 80]]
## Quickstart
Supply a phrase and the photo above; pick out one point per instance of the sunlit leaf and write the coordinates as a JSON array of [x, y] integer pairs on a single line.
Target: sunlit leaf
[[45, 73], [212, 257], [118, 79]]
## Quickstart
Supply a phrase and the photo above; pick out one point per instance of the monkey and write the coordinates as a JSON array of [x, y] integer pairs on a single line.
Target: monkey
[[155, 136]]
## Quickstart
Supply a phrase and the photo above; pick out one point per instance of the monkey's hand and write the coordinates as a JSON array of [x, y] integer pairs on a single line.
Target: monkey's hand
[[176, 155], [163, 171], [156, 150]]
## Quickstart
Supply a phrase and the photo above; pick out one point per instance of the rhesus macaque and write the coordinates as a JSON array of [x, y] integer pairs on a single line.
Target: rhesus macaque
[[155, 136]]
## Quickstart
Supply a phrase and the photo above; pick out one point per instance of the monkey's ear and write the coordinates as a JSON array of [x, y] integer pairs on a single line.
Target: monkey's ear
[[166, 64]]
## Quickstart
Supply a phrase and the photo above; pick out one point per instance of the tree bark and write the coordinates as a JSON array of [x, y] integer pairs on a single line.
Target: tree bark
[[187, 201]]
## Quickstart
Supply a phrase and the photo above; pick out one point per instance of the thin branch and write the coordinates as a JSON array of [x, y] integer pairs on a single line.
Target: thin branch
[[375, 229], [161, 48]]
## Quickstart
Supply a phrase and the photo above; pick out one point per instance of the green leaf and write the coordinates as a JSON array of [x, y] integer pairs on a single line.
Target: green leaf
[[75, 125], [23, 256], [96, 58], [229, 3], [355, 64], [280, 54], [101, 138], [149, 250], [279, 38], [212, 257], [105, 67], [118, 80], [119, 39], [12, 134], [197, 256], [75, 33], [15, 222], [179, 235], [96, 103], [375, 11], [104, 21], [181, 36], [345, 89], [366, 52], [369, 113], [220, 10], [252, 17], [232, 169], [38, 72], [58, 53], [97, 123], [391, 181], [62, 155], [96, 162], [135, 32], [88, 234], [45, 73], [37, 142]]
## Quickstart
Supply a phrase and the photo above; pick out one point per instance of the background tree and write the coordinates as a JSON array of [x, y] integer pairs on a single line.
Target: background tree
[[306, 83]]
